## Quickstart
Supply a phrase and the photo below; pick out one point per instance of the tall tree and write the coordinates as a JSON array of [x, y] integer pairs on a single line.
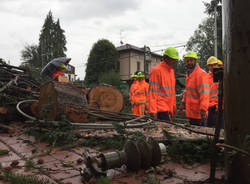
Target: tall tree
[[214, 9], [29, 56], [103, 58], [203, 40], [52, 41], [60, 41], [52, 44]]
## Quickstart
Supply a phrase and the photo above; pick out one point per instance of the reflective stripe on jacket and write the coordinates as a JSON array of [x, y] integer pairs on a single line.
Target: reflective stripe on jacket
[[162, 89], [196, 96], [213, 95]]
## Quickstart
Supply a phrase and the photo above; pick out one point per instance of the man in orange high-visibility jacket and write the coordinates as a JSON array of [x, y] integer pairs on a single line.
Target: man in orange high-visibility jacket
[[141, 95], [133, 86], [214, 99], [162, 97], [213, 95], [59, 71], [196, 95]]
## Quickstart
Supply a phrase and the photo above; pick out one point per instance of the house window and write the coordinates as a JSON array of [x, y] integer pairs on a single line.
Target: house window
[[138, 65]]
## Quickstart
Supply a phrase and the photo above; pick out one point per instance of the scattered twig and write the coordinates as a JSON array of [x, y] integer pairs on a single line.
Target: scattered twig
[[9, 83], [234, 148]]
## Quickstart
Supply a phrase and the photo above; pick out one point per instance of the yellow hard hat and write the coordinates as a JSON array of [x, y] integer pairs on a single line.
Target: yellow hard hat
[[172, 53], [63, 66], [191, 54], [212, 60], [140, 74], [220, 62], [134, 75]]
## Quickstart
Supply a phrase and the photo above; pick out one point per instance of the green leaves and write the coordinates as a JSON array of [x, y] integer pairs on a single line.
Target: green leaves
[[103, 58], [203, 39], [52, 44]]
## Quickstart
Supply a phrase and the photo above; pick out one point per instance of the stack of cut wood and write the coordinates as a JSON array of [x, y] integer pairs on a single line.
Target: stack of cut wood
[[16, 84], [58, 98]]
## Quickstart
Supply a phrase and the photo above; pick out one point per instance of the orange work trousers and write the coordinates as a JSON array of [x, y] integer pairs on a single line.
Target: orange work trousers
[[139, 109]]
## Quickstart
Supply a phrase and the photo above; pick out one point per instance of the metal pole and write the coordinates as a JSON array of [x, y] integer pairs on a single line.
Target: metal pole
[[145, 58]]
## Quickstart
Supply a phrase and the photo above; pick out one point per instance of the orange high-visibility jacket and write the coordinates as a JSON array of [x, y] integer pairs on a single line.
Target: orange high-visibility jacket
[[162, 95], [139, 108], [213, 95], [57, 73], [133, 87], [196, 96], [141, 92]]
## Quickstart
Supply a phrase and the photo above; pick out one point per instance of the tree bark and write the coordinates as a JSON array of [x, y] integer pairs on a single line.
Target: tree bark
[[62, 99]]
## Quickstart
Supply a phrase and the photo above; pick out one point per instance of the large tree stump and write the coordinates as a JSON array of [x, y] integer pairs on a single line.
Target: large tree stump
[[106, 97], [62, 99]]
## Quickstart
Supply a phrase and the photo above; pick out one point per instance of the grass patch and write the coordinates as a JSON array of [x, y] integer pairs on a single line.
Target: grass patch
[[15, 178]]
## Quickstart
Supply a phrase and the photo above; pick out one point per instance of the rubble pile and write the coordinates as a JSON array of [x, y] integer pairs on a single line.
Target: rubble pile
[[16, 84]]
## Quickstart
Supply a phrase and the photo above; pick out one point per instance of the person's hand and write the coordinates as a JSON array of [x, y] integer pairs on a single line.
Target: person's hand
[[153, 116], [203, 114]]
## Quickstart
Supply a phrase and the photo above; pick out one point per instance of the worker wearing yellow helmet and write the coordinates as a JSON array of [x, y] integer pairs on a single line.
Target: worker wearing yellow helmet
[[162, 98], [133, 87], [196, 96], [60, 71], [220, 64], [141, 96], [212, 63]]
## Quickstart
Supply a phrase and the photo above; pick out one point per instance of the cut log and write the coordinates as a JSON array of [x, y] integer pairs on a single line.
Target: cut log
[[106, 97], [62, 78], [59, 99], [34, 108]]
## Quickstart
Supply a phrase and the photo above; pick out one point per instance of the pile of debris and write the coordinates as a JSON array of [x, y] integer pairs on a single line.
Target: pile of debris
[[16, 84]]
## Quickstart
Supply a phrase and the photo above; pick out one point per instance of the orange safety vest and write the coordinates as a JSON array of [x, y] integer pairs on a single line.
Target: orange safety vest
[[132, 91], [162, 95], [141, 92], [213, 95], [57, 73], [140, 99], [196, 95]]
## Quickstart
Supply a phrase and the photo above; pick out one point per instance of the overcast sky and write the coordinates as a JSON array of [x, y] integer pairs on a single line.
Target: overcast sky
[[155, 23]]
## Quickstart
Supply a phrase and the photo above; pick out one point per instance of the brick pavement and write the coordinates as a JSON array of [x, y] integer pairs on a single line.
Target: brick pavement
[[48, 164]]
